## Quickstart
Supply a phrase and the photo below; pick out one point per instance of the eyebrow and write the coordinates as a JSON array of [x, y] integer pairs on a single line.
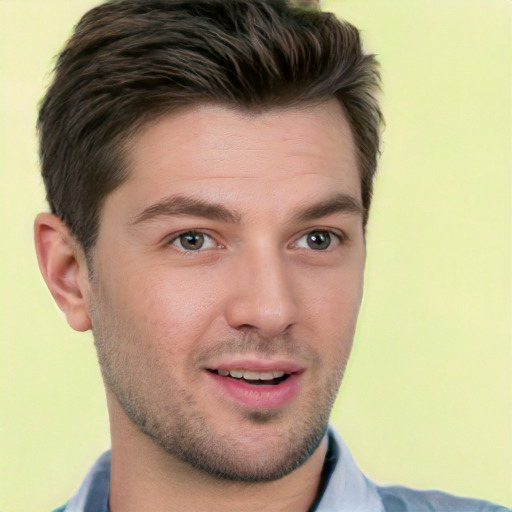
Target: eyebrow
[[190, 206], [339, 203], [183, 205]]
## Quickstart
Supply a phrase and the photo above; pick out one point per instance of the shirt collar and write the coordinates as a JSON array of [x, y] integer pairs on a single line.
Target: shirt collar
[[348, 490], [92, 496]]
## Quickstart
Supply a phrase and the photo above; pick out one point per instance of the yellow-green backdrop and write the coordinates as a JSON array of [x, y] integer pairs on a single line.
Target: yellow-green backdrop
[[427, 397]]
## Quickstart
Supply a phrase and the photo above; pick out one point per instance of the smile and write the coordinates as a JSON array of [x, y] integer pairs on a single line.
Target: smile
[[256, 378], [256, 384]]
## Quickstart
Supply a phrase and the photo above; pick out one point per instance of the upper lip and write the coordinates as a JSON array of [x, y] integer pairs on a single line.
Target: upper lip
[[257, 365]]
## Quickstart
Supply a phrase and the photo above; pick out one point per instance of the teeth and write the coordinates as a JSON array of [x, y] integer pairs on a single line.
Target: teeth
[[251, 375], [258, 375]]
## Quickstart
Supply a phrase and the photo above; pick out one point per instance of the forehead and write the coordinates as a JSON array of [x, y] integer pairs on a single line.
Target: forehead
[[224, 154]]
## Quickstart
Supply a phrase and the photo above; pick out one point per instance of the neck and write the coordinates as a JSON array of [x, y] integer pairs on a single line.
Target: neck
[[145, 477]]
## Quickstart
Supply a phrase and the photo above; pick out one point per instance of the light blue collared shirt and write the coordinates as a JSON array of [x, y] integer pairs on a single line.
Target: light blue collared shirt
[[347, 489]]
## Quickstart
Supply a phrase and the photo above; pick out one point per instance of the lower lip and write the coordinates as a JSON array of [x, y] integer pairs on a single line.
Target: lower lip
[[258, 396]]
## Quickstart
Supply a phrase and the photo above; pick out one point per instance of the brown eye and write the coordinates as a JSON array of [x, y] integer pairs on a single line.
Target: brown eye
[[193, 241]]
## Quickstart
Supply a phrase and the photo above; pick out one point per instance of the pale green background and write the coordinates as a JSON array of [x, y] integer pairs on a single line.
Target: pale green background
[[427, 397]]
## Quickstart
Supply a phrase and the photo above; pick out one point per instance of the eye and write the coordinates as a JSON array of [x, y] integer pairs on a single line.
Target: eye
[[193, 241], [318, 240]]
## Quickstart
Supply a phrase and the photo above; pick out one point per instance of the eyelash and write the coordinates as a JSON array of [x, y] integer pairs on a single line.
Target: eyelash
[[338, 237], [191, 232]]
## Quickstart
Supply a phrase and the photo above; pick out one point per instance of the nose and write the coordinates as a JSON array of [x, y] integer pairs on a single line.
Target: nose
[[263, 298]]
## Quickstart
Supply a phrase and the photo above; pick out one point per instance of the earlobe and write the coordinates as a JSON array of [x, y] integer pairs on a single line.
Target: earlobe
[[64, 269]]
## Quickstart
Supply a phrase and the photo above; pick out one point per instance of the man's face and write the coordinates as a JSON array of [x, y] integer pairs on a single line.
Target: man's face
[[228, 275]]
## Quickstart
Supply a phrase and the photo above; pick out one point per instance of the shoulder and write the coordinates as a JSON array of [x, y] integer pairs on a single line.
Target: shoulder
[[59, 509], [404, 499]]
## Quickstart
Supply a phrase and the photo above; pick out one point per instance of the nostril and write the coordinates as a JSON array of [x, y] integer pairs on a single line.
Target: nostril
[[266, 331]]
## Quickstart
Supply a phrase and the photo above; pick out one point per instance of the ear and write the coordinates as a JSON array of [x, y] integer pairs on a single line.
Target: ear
[[64, 269]]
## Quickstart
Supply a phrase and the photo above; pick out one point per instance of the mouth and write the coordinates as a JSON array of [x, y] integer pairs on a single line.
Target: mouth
[[254, 378], [257, 384]]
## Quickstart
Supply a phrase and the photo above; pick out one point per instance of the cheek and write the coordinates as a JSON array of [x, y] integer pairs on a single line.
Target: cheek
[[173, 306], [331, 306], [335, 292]]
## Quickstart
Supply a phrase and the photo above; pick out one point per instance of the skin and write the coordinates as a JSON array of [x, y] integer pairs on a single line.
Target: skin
[[163, 315]]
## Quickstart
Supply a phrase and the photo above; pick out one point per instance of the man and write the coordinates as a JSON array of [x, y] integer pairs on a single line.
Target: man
[[209, 169]]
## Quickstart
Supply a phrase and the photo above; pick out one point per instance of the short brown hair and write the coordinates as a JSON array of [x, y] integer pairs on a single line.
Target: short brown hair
[[131, 61]]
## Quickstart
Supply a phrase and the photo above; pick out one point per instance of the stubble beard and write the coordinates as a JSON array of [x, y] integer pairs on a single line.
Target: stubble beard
[[167, 412]]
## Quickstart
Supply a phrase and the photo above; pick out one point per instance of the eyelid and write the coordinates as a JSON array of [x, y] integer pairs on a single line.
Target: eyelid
[[338, 235], [169, 241]]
